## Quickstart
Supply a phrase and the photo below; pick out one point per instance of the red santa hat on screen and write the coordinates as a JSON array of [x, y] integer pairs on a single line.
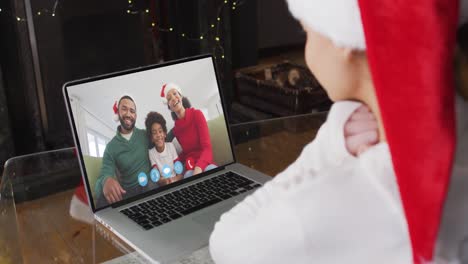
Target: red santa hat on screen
[[115, 107], [166, 88], [409, 46]]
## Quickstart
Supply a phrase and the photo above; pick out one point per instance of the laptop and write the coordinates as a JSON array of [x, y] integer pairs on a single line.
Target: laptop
[[167, 212]]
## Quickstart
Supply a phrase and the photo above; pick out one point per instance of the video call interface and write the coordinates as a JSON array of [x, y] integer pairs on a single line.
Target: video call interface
[[148, 129]]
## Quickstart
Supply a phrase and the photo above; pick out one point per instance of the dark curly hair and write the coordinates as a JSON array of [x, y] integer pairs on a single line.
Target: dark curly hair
[[151, 118]]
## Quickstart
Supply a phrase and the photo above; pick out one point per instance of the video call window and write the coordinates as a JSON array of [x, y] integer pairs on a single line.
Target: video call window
[[118, 146]]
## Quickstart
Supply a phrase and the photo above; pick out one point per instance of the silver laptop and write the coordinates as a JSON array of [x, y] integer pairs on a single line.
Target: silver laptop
[[157, 202]]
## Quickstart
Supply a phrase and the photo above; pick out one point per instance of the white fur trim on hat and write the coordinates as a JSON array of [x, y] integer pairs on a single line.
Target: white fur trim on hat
[[165, 88], [339, 20]]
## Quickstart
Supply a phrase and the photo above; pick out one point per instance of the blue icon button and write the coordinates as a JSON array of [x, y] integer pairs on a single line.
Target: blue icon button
[[154, 174], [178, 167], [166, 171], [142, 179]]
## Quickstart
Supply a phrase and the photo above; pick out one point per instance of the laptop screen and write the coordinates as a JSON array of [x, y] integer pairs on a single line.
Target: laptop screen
[[144, 129]]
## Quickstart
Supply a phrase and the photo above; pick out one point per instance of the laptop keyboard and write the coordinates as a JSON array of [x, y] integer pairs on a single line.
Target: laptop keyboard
[[163, 209]]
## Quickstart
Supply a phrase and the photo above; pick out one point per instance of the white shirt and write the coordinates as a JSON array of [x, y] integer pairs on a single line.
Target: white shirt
[[327, 207], [127, 136], [166, 157]]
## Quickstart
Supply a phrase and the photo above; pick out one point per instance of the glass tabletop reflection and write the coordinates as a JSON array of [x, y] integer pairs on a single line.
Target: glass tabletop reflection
[[36, 192]]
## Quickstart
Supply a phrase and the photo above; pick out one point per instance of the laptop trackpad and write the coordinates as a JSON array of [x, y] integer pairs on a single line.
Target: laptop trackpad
[[211, 216]]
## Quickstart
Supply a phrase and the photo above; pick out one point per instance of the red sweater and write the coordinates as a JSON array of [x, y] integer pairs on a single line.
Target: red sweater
[[194, 138]]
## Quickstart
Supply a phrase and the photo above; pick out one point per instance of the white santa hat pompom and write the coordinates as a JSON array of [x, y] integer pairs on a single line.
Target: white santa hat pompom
[[339, 20], [166, 88]]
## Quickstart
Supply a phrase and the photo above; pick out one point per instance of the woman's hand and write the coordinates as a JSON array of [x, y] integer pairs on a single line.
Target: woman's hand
[[164, 181], [197, 170], [361, 131]]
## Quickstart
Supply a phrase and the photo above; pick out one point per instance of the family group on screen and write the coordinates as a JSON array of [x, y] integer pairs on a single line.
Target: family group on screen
[[140, 159]]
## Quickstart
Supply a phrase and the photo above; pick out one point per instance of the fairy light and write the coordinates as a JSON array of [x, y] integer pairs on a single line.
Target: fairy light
[[130, 10]]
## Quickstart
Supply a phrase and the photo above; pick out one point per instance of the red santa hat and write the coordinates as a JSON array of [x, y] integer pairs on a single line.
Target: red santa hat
[[166, 88], [115, 107], [410, 47]]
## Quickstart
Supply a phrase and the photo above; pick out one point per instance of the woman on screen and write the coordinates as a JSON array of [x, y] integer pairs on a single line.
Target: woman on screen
[[190, 129]]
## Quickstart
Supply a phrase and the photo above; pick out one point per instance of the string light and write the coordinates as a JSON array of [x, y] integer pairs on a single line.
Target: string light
[[212, 33]]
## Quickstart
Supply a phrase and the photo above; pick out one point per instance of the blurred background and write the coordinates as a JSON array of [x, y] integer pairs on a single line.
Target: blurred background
[[258, 48]]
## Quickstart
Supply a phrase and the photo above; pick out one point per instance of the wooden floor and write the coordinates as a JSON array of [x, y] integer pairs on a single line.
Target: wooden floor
[[48, 234]]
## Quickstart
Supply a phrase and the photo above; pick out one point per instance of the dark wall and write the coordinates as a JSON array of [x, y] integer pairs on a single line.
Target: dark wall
[[19, 79], [88, 38], [244, 34], [6, 141], [276, 26]]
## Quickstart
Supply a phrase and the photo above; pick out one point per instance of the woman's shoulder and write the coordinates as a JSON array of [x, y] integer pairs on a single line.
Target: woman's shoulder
[[193, 111], [196, 113]]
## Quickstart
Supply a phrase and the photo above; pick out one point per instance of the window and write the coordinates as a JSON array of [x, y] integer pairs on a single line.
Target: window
[[96, 143]]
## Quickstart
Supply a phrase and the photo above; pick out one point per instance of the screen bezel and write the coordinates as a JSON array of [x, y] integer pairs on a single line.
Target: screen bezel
[[131, 71]]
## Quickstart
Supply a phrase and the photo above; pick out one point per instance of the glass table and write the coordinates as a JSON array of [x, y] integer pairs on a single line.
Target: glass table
[[36, 190]]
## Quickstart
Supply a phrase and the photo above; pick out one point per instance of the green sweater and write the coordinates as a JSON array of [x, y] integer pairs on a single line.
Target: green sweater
[[128, 157]]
